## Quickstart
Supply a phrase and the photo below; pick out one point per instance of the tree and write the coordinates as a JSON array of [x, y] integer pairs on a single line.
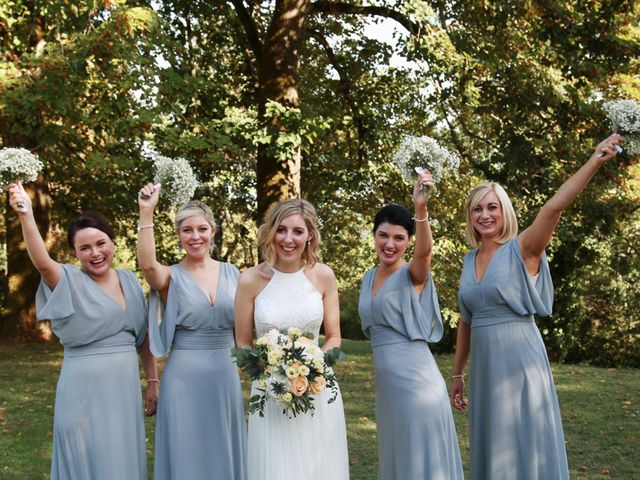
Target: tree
[[67, 82]]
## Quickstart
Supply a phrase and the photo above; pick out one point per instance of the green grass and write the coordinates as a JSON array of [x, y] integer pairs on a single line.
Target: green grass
[[600, 410]]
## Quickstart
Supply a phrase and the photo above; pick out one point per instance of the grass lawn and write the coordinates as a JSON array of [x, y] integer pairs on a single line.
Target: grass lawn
[[600, 410]]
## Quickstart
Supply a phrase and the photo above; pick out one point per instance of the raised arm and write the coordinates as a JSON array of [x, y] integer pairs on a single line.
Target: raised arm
[[37, 250], [535, 239], [245, 296], [331, 303], [156, 274], [421, 261]]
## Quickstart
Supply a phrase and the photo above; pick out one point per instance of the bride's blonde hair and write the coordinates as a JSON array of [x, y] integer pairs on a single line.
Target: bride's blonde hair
[[274, 217]]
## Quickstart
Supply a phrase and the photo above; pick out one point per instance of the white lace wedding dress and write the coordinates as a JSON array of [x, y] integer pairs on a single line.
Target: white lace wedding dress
[[304, 447]]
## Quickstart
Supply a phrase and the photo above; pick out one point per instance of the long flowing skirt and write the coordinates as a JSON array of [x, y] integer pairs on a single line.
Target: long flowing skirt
[[98, 427], [303, 447], [415, 428], [200, 425], [514, 417]]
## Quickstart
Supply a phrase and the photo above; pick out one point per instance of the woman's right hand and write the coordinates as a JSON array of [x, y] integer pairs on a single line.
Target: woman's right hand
[[148, 196], [19, 199], [457, 394]]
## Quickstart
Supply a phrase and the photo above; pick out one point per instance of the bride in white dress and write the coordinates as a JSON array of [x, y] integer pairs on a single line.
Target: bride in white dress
[[291, 289]]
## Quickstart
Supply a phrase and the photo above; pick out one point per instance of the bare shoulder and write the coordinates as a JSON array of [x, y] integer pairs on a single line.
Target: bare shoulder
[[253, 279], [322, 276]]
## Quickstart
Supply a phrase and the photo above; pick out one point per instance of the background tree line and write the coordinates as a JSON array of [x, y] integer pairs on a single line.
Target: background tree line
[[278, 98]]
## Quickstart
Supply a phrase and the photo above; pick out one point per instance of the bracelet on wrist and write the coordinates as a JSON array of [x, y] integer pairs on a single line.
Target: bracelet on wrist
[[152, 380], [461, 377], [416, 219], [140, 227]]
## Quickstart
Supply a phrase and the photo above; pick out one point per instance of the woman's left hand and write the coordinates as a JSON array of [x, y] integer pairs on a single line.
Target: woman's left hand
[[420, 195], [151, 399]]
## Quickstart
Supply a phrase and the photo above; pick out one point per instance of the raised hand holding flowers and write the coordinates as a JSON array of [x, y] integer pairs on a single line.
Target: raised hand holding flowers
[[420, 154], [18, 165], [176, 177], [624, 118]]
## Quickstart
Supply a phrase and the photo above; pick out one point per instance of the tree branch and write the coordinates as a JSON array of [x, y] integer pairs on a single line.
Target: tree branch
[[253, 35], [345, 89], [339, 8]]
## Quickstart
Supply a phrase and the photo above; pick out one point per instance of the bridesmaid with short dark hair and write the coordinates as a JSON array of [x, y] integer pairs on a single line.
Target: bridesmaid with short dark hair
[[400, 314]]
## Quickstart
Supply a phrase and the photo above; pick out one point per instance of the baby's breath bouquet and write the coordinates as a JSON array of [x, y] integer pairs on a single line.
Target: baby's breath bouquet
[[290, 368], [176, 177], [18, 164], [624, 117], [415, 154]]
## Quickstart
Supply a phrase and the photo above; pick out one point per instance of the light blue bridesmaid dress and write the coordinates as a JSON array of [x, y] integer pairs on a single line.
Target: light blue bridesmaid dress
[[200, 424], [415, 429], [98, 425], [514, 418]]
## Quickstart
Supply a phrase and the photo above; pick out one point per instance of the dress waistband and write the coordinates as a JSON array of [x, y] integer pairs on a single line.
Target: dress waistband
[[488, 320], [120, 342], [383, 335], [203, 339]]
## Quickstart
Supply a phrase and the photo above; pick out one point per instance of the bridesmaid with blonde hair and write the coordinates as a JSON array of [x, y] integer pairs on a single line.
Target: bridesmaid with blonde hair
[[514, 416], [200, 426]]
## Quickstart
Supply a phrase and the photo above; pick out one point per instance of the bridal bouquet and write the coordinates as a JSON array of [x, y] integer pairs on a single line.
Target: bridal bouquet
[[18, 164], [415, 154], [176, 177], [289, 368], [624, 117]]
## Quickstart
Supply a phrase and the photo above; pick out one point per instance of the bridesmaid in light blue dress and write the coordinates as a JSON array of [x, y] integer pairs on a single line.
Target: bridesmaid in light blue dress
[[99, 315], [514, 416], [400, 314], [200, 426]]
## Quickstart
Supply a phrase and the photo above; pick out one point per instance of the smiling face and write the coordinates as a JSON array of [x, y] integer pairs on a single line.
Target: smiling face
[[289, 241], [94, 249], [487, 217], [195, 234], [391, 241]]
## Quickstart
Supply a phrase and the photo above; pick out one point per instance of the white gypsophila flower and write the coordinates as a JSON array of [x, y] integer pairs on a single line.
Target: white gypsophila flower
[[18, 164], [425, 152], [176, 177], [624, 118]]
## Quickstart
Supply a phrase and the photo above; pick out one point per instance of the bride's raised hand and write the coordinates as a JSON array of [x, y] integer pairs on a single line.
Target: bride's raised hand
[[19, 199]]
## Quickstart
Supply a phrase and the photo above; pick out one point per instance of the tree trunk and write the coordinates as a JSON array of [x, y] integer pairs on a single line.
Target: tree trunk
[[278, 72], [19, 317]]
